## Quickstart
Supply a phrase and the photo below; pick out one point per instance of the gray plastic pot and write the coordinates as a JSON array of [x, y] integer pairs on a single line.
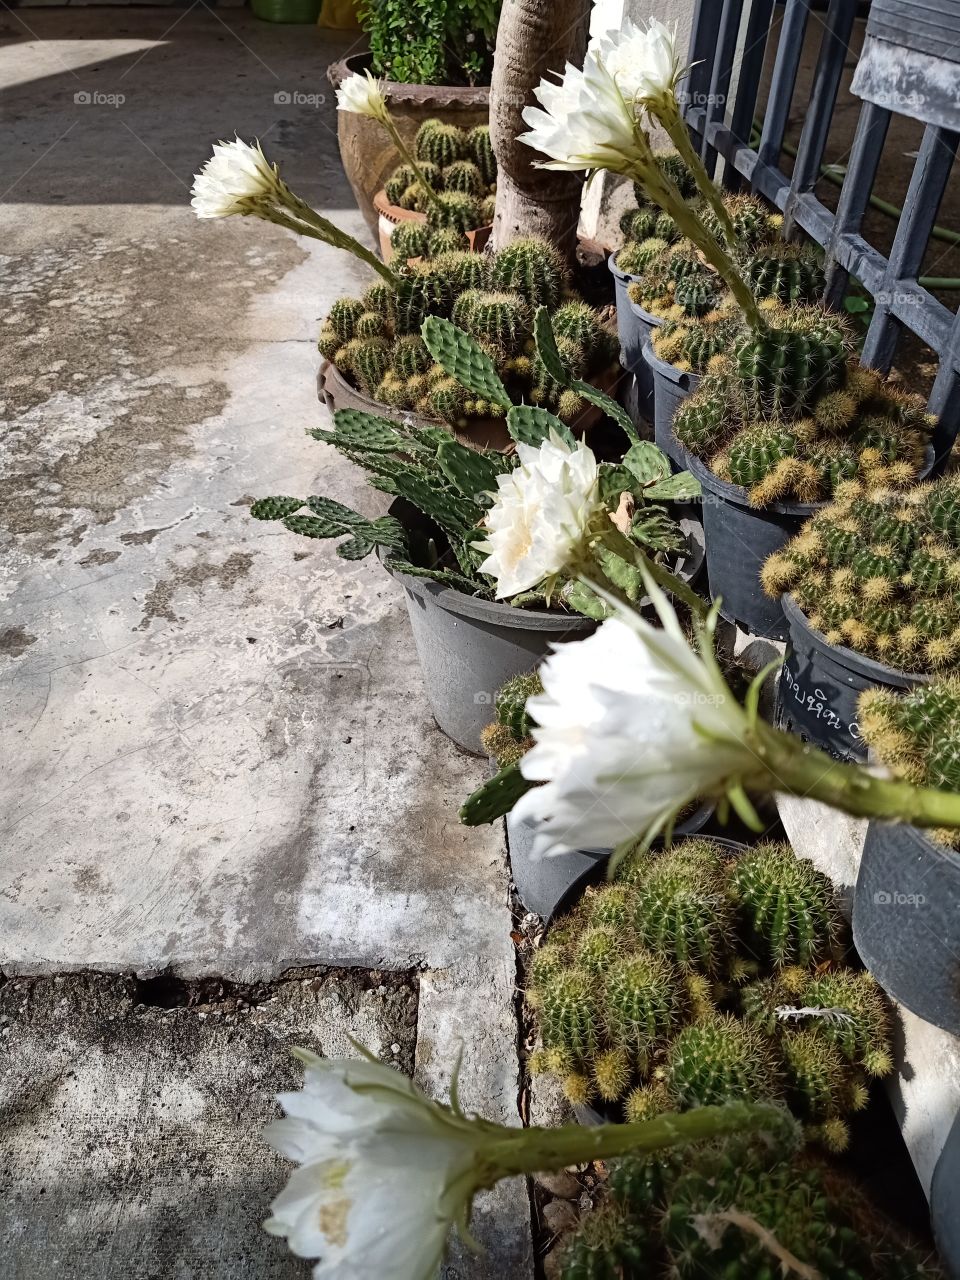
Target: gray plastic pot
[[634, 326], [544, 884], [739, 539], [906, 920], [671, 386], [820, 684], [469, 647]]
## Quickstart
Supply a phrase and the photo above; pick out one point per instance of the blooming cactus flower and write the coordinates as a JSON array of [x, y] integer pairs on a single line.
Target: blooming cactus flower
[[632, 726], [385, 1172], [541, 515], [585, 122], [362, 95], [643, 61], [236, 175]]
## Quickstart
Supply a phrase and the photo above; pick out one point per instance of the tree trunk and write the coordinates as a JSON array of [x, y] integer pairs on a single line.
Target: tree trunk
[[534, 37]]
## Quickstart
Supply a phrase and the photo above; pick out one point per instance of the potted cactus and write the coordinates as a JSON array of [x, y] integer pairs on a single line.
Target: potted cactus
[[738, 1209], [483, 610], [447, 201], [708, 972], [774, 433], [377, 362], [908, 888], [870, 602]]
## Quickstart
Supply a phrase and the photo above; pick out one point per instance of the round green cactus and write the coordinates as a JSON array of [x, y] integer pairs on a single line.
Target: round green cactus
[[480, 151], [410, 356], [329, 342], [369, 361], [531, 268], [755, 451], [568, 1014], [343, 317], [696, 294], [463, 270], [446, 240], [422, 291], [787, 905], [702, 422], [511, 702], [784, 369], [440, 144], [683, 911], [710, 1062], [464, 176], [454, 211], [500, 320], [642, 1002], [785, 272]]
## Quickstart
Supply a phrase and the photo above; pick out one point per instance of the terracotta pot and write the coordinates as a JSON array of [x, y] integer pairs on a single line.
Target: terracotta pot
[[337, 392], [368, 155], [388, 215]]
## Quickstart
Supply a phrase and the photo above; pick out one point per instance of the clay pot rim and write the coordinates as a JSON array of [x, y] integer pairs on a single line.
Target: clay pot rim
[[423, 94]]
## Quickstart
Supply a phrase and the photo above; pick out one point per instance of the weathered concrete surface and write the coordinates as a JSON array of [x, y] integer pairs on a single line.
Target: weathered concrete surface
[[131, 1134], [220, 756]]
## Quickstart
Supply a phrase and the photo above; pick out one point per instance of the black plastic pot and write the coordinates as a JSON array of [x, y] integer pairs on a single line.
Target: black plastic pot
[[943, 1202], [739, 539], [670, 388], [906, 920], [634, 326], [820, 684], [546, 883]]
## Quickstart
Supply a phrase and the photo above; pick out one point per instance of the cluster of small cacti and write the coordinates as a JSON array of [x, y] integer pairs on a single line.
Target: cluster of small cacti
[[461, 170], [785, 415], [736, 1209], [375, 339], [878, 571], [697, 976], [917, 736], [508, 737]]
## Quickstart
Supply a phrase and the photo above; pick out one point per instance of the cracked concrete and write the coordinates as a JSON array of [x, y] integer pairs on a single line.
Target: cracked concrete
[[221, 758]]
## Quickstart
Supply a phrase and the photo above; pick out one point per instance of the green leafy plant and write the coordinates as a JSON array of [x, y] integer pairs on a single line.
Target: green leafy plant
[[452, 484], [878, 572], [431, 41]]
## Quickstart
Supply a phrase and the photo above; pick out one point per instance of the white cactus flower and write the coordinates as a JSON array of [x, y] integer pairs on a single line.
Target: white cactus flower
[[585, 122], [642, 60], [363, 95], [236, 175], [384, 1172], [543, 510], [633, 725]]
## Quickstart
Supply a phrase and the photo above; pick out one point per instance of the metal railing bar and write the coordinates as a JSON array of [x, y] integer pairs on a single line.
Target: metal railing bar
[[855, 193], [723, 57], [823, 96], [793, 26], [756, 34]]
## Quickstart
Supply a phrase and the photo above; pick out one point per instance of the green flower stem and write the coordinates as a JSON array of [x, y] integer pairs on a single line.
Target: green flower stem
[[629, 551], [307, 222], [808, 772], [667, 111], [538, 1150], [666, 194], [387, 121]]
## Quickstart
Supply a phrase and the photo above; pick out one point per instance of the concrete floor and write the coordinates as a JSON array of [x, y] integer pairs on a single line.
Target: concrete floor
[[219, 761]]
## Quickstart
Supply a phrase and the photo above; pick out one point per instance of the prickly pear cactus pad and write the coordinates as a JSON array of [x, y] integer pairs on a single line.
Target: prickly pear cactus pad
[[702, 974], [879, 572], [492, 299]]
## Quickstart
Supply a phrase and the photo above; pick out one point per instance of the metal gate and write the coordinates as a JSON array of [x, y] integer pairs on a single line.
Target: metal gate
[[726, 32]]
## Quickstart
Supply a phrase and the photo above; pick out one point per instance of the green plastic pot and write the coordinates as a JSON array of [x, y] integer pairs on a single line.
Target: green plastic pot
[[303, 11]]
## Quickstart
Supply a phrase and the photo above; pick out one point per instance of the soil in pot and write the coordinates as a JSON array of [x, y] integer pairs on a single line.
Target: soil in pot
[[368, 155], [906, 920], [739, 539], [820, 685]]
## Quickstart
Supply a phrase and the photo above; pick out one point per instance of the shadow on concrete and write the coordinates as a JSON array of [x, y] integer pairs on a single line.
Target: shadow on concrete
[[121, 106]]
